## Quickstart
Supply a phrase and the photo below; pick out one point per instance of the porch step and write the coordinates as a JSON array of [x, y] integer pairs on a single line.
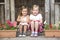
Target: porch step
[[28, 33], [30, 38]]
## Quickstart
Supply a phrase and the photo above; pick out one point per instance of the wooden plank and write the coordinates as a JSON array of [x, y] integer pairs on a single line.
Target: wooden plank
[[2, 14], [59, 12], [7, 10], [47, 9], [2, 3], [52, 12], [56, 13], [57, 3], [12, 10]]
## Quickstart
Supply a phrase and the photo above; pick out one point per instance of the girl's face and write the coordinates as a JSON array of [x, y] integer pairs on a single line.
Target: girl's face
[[24, 12], [35, 11]]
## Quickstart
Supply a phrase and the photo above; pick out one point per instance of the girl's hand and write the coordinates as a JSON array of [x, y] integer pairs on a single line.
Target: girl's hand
[[39, 22], [18, 19]]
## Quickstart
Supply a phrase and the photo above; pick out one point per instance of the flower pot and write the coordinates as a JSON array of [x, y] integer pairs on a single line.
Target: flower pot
[[57, 33], [8, 33], [52, 33]]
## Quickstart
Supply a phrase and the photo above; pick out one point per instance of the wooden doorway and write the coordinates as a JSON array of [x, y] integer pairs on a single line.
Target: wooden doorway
[[29, 3]]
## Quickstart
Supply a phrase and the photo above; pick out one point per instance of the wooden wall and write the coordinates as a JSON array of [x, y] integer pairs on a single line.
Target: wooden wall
[[11, 8]]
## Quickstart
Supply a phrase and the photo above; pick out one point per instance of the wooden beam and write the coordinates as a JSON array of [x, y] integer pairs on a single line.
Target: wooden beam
[[57, 3], [2, 3], [12, 10], [59, 12], [52, 12], [7, 10], [2, 14], [56, 13], [47, 11]]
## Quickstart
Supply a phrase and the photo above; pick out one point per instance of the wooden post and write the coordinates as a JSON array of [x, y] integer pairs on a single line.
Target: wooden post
[[2, 14], [56, 13], [52, 12], [12, 10], [47, 10], [7, 10], [59, 12]]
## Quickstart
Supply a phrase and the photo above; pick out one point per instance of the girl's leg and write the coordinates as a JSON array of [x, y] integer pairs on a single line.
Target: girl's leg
[[32, 28], [20, 29], [25, 29], [36, 28]]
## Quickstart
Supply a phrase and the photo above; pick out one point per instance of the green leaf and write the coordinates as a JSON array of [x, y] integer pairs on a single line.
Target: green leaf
[[13, 28], [46, 27], [54, 27], [59, 27], [7, 26], [1, 28]]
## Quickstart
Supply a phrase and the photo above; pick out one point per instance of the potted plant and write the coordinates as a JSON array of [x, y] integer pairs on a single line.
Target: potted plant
[[8, 29], [52, 30]]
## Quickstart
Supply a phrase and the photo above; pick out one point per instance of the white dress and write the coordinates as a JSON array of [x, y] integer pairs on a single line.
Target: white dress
[[24, 21], [37, 17]]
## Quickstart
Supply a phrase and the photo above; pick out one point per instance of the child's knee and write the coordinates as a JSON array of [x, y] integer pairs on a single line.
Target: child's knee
[[32, 22], [25, 26], [36, 22]]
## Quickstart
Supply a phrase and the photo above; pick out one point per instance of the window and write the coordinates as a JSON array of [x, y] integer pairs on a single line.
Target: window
[[1, 1], [57, 0]]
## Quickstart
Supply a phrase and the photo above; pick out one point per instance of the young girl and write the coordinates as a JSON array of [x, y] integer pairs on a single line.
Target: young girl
[[24, 20], [36, 19]]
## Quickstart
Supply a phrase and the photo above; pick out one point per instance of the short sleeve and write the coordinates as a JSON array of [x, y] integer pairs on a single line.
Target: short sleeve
[[30, 17], [40, 16], [18, 19]]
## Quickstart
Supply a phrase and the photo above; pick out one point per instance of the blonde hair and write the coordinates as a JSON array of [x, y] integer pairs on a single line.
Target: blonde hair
[[20, 11], [35, 6]]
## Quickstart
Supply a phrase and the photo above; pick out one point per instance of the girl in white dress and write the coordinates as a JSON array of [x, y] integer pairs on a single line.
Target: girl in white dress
[[24, 20], [36, 19]]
